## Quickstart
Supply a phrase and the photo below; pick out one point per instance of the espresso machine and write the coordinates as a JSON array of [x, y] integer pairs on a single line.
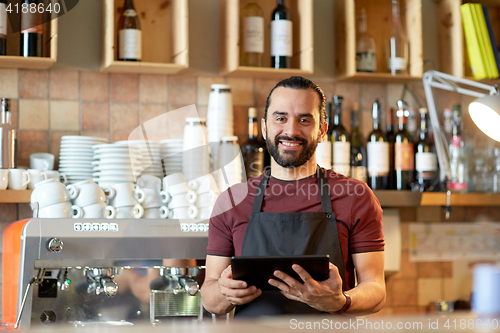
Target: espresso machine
[[110, 272]]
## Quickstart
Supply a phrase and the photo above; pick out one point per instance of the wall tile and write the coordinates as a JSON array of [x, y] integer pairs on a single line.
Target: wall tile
[[204, 84], [176, 121], [64, 85], [124, 117], [428, 214], [405, 310], [33, 114], [429, 269], [182, 89], [8, 213], [404, 292], [97, 134], [262, 88], [95, 116], [153, 89], [14, 112], [429, 290], [408, 268], [9, 83], [31, 142], [407, 214], [405, 236], [351, 93], [124, 87], [241, 90], [34, 84], [55, 143], [155, 120], [24, 211], [120, 137], [371, 92], [202, 111], [448, 290], [328, 89], [65, 115], [94, 86], [394, 92]]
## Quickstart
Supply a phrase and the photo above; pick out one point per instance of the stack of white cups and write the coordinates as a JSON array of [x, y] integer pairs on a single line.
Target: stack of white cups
[[90, 200], [195, 151], [50, 199], [230, 169], [127, 199], [179, 197], [153, 208], [207, 191]]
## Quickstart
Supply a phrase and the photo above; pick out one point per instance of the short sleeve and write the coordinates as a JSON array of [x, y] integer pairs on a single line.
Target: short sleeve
[[220, 240]]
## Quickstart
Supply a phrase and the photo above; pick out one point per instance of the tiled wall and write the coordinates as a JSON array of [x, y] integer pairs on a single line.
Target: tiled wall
[[49, 104]]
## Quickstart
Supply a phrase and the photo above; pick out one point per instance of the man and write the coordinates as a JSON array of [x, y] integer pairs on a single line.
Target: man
[[298, 209]]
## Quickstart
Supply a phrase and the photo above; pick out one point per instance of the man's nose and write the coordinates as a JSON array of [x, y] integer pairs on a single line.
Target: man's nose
[[292, 128]]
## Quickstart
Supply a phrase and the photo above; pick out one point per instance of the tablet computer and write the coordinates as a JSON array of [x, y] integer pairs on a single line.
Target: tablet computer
[[256, 271]]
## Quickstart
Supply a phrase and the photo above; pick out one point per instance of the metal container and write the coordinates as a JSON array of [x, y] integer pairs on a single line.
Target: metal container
[[8, 137]]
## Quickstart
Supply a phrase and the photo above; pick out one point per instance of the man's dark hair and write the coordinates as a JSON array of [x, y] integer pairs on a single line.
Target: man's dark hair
[[298, 82]]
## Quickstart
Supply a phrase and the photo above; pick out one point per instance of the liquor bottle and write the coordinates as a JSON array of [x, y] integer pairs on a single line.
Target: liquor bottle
[[8, 137], [341, 153], [3, 27], [425, 155], [281, 37], [31, 31], [397, 45], [391, 139], [358, 151], [411, 122], [129, 34], [366, 49], [252, 35], [252, 150], [459, 168], [324, 148], [378, 152], [404, 151]]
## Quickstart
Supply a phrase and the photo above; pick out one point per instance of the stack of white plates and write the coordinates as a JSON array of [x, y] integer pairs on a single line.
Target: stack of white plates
[[171, 155], [149, 156], [115, 164], [75, 157]]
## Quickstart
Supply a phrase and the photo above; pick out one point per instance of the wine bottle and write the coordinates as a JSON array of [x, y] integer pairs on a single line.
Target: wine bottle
[[341, 153], [252, 35], [378, 152], [391, 139], [281, 37], [252, 150], [459, 168], [3, 27], [425, 156], [366, 49], [404, 151], [129, 34], [31, 31], [397, 45], [324, 148], [358, 151]]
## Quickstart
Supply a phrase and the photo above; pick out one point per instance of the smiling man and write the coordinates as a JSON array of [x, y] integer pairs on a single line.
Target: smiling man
[[297, 208]]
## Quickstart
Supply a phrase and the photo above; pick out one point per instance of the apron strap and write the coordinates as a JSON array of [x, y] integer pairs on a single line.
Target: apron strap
[[324, 188], [257, 202]]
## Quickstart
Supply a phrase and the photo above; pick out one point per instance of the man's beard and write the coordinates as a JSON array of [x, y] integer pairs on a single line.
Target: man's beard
[[291, 159]]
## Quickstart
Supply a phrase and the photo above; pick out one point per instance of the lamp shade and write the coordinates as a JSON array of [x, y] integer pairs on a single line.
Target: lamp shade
[[485, 112]]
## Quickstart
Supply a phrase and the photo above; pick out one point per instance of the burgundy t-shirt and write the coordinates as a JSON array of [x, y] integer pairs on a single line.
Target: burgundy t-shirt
[[357, 211]]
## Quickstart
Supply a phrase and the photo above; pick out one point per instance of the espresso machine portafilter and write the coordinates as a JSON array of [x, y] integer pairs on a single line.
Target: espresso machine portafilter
[[98, 271]]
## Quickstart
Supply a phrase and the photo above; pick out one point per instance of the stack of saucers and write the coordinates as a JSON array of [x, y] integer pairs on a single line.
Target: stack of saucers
[[171, 155], [75, 157], [149, 156], [115, 164]]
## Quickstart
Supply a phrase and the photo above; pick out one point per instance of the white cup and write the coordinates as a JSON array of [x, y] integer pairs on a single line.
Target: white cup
[[153, 198], [205, 212], [18, 179], [60, 210], [206, 199], [99, 211], [204, 184], [36, 177], [486, 290], [156, 213], [175, 184], [149, 182], [56, 174], [129, 212], [126, 194], [86, 193], [49, 192], [182, 200], [183, 213], [4, 178], [42, 161]]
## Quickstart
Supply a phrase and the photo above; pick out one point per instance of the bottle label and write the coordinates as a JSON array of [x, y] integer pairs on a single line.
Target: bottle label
[[130, 42], [324, 154], [253, 34], [254, 164], [378, 158], [341, 157], [366, 62], [359, 173], [281, 38], [404, 156], [32, 22], [3, 19], [396, 63], [425, 162]]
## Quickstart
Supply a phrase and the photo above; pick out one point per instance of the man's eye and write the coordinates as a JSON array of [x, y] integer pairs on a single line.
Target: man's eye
[[304, 120], [280, 119]]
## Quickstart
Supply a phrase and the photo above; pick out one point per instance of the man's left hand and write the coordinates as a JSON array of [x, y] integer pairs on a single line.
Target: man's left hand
[[324, 296]]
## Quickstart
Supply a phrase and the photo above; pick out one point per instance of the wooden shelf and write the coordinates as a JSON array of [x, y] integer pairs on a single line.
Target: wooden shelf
[[15, 196], [379, 22], [164, 26], [393, 198], [303, 57]]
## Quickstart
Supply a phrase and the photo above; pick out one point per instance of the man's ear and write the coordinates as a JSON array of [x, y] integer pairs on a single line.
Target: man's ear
[[322, 132], [263, 128]]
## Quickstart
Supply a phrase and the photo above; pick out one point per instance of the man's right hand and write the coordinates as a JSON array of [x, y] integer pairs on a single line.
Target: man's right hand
[[236, 292]]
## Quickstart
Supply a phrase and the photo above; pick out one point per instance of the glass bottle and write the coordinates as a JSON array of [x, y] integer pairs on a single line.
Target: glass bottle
[[281, 37], [252, 150], [366, 49], [358, 151], [391, 139], [378, 152], [341, 153], [496, 172], [31, 30], [425, 155], [324, 148], [459, 169], [8, 137], [447, 123], [252, 35], [129, 34], [404, 151], [397, 46]]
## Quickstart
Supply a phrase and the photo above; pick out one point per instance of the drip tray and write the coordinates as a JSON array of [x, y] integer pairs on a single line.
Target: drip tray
[[174, 303]]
